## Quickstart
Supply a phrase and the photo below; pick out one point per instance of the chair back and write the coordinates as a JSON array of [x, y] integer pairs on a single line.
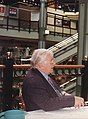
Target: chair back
[[14, 114]]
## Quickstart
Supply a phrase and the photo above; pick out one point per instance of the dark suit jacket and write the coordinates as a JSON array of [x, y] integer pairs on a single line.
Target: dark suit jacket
[[38, 94]]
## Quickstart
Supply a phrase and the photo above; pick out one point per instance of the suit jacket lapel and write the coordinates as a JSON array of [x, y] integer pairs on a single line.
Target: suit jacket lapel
[[56, 89]]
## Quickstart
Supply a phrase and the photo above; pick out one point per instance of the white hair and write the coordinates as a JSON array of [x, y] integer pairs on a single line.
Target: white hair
[[40, 55]]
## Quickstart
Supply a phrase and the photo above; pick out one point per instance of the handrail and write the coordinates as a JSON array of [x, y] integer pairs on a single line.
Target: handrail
[[69, 66], [22, 66], [26, 66]]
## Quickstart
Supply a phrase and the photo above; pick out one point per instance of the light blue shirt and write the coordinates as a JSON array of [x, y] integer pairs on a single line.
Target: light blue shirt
[[45, 75]]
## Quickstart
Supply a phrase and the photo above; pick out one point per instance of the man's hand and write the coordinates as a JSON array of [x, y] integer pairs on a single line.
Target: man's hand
[[79, 102]]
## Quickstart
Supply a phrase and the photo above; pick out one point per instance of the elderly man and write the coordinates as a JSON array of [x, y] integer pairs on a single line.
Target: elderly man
[[40, 91]]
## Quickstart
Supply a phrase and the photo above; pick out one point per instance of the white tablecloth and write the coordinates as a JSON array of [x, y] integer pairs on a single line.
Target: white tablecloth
[[66, 113]]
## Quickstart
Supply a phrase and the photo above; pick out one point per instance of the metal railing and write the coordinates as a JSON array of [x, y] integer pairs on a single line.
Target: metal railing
[[17, 23], [59, 24]]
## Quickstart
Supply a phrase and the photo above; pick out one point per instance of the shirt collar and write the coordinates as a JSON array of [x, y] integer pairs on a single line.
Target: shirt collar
[[44, 74]]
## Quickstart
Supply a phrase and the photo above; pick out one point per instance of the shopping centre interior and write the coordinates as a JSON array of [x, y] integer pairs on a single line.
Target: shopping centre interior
[[26, 25]]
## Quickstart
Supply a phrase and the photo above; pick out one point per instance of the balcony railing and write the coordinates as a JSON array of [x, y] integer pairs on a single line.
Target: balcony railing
[[62, 25], [55, 23], [59, 69]]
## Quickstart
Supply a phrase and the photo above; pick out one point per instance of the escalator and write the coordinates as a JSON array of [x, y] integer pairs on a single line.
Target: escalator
[[65, 49]]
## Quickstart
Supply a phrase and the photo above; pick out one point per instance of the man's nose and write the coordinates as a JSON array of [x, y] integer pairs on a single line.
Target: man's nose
[[54, 62]]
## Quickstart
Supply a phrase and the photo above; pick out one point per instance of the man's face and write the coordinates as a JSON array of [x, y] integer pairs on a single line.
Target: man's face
[[49, 64]]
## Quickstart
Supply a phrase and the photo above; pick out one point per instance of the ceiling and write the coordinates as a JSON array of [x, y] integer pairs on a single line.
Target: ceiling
[[66, 5]]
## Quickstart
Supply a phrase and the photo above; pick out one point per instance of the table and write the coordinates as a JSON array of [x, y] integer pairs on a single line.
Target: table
[[66, 113]]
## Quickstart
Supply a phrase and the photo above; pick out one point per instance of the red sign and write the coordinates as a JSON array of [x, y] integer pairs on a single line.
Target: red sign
[[13, 12]]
